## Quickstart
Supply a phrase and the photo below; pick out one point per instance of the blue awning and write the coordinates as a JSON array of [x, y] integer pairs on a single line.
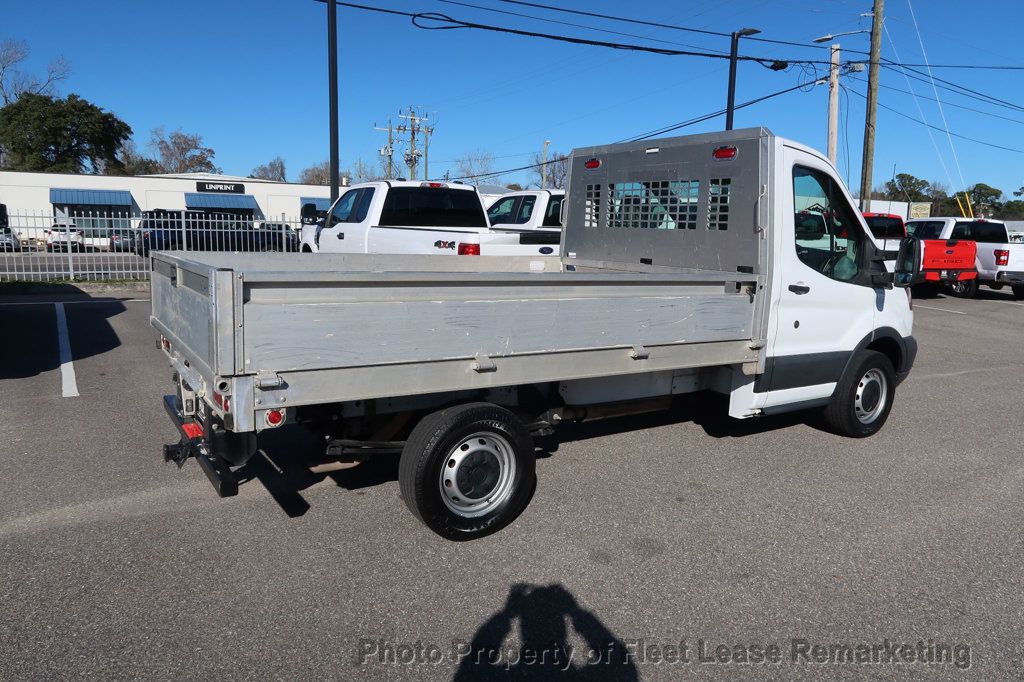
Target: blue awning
[[213, 200], [90, 197], [322, 203]]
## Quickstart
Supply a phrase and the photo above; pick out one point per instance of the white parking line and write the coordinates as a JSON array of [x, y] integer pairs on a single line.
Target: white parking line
[[945, 310], [68, 383]]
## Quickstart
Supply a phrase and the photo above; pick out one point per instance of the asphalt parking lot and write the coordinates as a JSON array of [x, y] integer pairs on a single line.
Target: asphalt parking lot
[[658, 530]]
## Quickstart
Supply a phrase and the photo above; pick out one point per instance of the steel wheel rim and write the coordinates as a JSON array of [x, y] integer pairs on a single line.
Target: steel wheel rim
[[872, 396], [478, 474]]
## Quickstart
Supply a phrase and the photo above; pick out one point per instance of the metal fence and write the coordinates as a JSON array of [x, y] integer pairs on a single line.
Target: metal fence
[[87, 246]]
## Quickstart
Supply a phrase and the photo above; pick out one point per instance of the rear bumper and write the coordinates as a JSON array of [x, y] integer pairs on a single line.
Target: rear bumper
[[909, 356], [1010, 277]]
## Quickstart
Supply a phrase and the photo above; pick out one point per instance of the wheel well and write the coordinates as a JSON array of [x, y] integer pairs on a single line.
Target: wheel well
[[306, 249], [890, 349]]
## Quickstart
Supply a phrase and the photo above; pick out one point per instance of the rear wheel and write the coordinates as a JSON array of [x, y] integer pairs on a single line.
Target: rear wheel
[[965, 288], [1018, 291], [863, 398], [467, 471]]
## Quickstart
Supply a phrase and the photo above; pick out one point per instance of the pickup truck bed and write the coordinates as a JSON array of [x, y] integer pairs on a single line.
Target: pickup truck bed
[[332, 328]]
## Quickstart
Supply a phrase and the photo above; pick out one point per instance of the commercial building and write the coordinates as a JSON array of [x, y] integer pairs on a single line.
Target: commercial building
[[104, 201]]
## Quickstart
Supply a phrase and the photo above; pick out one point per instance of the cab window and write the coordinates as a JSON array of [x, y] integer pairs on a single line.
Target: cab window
[[828, 236], [343, 207], [503, 211], [525, 210], [553, 214]]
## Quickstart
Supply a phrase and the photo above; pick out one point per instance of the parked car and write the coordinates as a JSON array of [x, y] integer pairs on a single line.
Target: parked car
[[122, 239], [458, 363], [999, 262], [276, 237], [8, 240], [942, 261], [64, 236], [171, 230], [402, 216]]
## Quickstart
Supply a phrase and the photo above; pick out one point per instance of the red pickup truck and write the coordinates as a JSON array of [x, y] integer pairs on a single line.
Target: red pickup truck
[[943, 260]]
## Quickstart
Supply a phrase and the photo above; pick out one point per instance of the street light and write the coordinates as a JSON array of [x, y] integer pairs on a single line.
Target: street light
[[832, 36], [733, 53]]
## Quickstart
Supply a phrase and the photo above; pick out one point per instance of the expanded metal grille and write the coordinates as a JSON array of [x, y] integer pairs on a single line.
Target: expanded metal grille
[[106, 245], [718, 203], [655, 204], [592, 208]]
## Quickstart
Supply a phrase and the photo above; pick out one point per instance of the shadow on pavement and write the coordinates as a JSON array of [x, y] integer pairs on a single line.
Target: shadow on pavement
[[290, 459], [30, 344], [542, 650]]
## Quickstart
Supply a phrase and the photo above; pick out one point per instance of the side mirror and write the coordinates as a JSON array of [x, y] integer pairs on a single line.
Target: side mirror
[[908, 263], [308, 214]]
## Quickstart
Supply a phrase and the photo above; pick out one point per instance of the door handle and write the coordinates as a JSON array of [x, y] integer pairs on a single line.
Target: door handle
[[341, 235], [799, 289]]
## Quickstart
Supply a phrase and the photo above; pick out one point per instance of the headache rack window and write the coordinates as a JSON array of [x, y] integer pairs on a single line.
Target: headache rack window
[[652, 204]]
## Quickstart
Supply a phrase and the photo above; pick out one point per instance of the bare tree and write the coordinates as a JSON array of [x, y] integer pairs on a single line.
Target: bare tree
[[363, 172], [271, 170], [182, 152], [476, 165], [14, 83], [556, 173], [317, 174]]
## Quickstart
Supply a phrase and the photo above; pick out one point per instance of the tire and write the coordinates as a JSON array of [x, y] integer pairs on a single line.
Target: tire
[[863, 398], [967, 288], [490, 453], [1018, 291]]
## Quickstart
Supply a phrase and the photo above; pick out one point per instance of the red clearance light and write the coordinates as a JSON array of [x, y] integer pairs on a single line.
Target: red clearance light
[[192, 430], [591, 164], [724, 153], [165, 343], [1002, 257], [469, 249], [274, 417]]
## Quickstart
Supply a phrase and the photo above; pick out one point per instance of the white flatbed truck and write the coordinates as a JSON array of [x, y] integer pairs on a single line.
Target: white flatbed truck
[[681, 270]]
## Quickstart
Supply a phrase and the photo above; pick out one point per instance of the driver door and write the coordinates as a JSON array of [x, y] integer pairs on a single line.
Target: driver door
[[331, 238], [826, 304]]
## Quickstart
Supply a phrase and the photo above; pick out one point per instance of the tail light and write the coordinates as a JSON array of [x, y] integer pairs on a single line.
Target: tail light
[[165, 343], [724, 153], [274, 417], [469, 249], [910, 297], [1002, 257], [433, 184]]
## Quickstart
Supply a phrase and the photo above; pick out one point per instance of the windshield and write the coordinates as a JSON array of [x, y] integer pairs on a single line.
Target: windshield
[[926, 229], [432, 206], [884, 227]]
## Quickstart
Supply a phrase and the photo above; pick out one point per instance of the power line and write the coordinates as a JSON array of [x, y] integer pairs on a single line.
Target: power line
[[953, 87], [574, 25], [656, 24], [944, 103], [447, 23], [643, 136], [963, 137]]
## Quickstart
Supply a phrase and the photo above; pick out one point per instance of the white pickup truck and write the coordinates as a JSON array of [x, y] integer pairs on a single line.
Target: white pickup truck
[[422, 218], [1000, 262], [682, 270]]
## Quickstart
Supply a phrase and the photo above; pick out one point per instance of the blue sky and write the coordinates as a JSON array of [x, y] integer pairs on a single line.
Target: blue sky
[[250, 77]]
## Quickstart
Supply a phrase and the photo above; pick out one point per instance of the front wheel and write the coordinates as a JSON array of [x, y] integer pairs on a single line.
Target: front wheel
[[863, 397], [965, 288], [467, 471], [1018, 291]]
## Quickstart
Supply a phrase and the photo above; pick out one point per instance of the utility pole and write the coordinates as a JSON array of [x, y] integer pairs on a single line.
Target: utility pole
[[544, 166], [833, 104], [867, 161], [734, 49], [413, 127], [388, 152], [427, 130], [332, 87]]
